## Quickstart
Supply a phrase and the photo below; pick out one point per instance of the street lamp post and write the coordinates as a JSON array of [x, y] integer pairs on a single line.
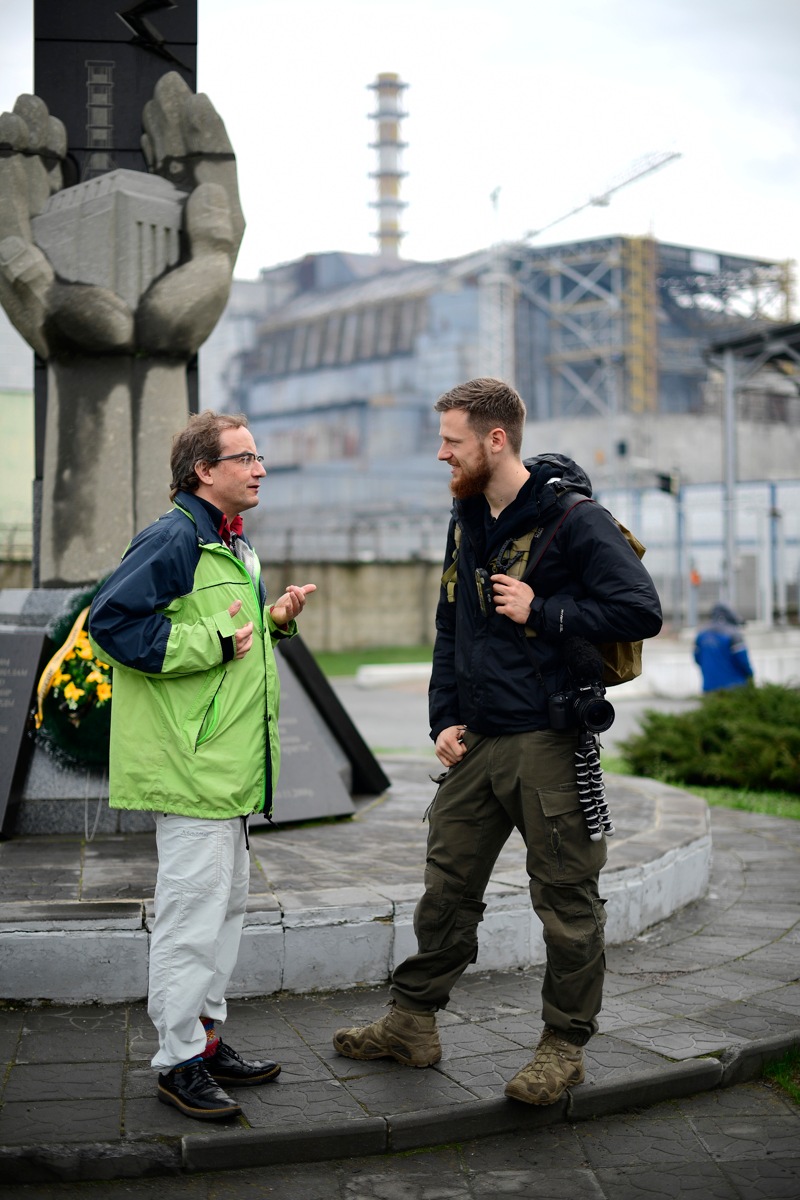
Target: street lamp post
[[729, 449]]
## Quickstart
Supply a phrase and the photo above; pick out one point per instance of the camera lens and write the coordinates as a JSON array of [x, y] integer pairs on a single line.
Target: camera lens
[[595, 713]]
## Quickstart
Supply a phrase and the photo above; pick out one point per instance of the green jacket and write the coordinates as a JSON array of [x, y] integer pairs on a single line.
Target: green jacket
[[193, 729]]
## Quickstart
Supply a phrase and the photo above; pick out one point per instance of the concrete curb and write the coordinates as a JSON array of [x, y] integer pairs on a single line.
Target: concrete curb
[[743, 1063], [298, 1143], [241, 1149], [88, 1161], [461, 1122], [642, 1088]]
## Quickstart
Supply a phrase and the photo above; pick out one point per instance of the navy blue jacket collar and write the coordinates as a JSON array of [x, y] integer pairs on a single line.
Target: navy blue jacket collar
[[206, 515]]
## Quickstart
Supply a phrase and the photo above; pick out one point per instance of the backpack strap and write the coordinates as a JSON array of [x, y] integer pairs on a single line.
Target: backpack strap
[[542, 537], [567, 506], [449, 576], [568, 501], [622, 661]]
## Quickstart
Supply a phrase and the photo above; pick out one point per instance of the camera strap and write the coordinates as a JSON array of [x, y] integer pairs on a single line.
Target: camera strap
[[542, 545], [543, 542]]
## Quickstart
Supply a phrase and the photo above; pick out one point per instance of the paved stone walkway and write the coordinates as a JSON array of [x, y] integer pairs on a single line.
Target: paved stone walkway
[[331, 904], [694, 1005]]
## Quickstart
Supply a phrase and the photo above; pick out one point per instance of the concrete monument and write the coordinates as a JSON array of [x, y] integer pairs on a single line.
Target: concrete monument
[[115, 283], [115, 275]]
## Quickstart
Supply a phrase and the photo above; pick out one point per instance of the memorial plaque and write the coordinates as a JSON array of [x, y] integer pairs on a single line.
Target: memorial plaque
[[368, 778], [23, 654], [315, 774]]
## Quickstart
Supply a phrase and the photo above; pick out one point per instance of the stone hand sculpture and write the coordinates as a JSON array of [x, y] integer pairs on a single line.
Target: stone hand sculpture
[[116, 360], [184, 142]]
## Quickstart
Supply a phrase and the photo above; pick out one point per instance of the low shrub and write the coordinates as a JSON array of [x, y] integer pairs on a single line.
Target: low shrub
[[747, 737]]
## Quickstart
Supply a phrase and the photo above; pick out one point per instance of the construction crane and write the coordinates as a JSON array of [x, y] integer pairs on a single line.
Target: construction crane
[[497, 287], [641, 167]]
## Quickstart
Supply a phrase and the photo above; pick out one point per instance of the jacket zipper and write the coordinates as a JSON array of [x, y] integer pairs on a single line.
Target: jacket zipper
[[267, 743]]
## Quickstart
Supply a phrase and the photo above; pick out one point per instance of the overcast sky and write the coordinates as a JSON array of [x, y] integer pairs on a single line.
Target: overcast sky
[[549, 101]]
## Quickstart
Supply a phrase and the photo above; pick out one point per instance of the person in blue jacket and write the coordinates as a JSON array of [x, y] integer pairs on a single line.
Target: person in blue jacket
[[720, 651]]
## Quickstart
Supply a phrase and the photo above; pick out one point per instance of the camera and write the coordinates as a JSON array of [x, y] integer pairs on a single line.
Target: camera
[[586, 707]]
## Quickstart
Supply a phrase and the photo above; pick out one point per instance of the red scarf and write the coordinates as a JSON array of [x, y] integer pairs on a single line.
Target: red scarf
[[227, 528]]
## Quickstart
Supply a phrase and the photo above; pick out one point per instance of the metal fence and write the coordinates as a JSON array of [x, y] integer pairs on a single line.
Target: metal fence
[[684, 535], [16, 543]]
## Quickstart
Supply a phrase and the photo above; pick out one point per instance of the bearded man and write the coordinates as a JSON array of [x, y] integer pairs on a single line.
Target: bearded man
[[506, 767]]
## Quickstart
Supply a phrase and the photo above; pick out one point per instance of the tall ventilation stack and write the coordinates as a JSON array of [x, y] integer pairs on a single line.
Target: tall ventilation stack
[[388, 116]]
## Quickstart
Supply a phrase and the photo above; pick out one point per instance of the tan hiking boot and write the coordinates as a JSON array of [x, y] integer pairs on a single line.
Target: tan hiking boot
[[409, 1037], [556, 1065]]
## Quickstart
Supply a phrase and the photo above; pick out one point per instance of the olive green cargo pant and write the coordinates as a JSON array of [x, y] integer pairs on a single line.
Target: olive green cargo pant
[[526, 781]]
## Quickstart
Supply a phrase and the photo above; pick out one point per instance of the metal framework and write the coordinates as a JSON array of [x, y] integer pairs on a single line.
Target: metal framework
[[741, 358], [621, 324]]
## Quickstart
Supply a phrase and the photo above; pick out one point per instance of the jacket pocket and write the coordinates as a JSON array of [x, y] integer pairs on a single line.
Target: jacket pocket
[[203, 714]]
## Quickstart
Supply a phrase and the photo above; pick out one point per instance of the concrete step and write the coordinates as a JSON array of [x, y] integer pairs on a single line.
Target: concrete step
[[331, 905]]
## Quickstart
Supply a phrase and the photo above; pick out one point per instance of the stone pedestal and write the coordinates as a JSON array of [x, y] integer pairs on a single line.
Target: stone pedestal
[[107, 460]]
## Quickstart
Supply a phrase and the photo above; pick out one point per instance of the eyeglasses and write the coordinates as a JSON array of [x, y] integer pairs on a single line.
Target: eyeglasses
[[243, 460]]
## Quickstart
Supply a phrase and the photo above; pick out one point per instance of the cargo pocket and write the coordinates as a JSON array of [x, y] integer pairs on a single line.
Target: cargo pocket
[[571, 853], [446, 921]]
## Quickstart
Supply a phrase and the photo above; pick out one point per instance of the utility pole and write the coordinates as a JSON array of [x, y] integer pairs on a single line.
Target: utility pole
[[729, 506], [671, 482], [496, 309]]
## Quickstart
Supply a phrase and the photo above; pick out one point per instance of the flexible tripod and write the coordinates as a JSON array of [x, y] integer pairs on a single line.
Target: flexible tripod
[[591, 789]]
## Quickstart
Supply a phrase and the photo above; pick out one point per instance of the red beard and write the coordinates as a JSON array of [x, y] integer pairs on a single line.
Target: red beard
[[472, 482]]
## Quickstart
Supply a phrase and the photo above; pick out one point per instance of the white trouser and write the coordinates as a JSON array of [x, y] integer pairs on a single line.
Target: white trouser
[[200, 900]]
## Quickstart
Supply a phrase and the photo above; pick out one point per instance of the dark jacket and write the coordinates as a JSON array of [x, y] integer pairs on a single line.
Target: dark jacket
[[589, 584]]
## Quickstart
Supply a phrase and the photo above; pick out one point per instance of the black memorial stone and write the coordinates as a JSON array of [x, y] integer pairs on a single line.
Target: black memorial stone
[[95, 66], [368, 777], [316, 777], [23, 654], [325, 761]]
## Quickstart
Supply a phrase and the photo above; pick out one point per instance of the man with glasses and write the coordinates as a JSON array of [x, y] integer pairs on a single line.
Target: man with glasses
[[507, 764], [194, 738]]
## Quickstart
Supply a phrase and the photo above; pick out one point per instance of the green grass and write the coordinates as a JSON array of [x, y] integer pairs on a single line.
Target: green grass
[[615, 764], [347, 662], [773, 804], [785, 1072]]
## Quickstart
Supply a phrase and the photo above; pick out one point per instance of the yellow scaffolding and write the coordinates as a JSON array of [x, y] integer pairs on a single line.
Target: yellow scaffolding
[[640, 304]]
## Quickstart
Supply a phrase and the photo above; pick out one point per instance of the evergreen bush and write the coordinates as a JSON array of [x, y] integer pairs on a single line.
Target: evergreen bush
[[746, 737]]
